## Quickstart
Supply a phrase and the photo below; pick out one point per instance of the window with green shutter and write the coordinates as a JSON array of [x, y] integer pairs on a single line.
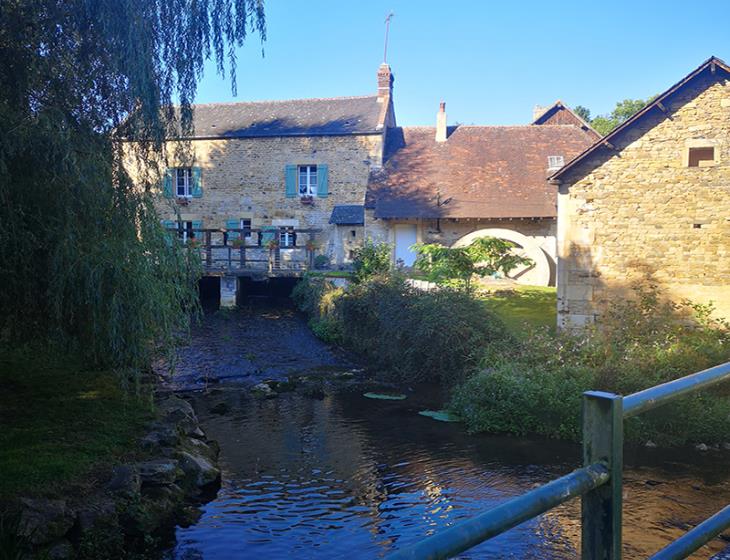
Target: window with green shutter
[[290, 181], [167, 183], [322, 180], [197, 183]]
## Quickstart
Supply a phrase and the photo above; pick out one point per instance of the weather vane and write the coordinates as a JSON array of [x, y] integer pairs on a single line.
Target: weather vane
[[387, 27]]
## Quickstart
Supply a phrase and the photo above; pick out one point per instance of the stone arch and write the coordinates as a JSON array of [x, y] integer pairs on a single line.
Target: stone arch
[[538, 274]]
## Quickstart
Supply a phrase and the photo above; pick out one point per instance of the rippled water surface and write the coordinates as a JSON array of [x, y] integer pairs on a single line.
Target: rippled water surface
[[349, 477]]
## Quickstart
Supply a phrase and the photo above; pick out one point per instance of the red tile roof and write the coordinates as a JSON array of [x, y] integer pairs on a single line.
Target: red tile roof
[[559, 113], [479, 172]]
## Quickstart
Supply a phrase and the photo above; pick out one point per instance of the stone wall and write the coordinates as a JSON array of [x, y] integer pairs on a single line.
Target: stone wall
[[638, 210], [244, 178]]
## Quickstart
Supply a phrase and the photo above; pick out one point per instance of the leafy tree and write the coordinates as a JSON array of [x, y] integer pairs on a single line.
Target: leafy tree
[[83, 259], [624, 110], [372, 259], [458, 265], [582, 112]]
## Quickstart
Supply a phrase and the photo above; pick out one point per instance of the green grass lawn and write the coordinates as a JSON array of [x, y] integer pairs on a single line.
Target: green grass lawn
[[534, 305], [59, 423], [331, 273]]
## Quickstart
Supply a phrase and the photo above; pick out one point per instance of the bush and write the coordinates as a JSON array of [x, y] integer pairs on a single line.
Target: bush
[[536, 386], [321, 262], [372, 259], [406, 334]]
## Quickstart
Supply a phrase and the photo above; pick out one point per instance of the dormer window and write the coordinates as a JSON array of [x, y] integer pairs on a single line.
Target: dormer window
[[307, 180], [555, 162]]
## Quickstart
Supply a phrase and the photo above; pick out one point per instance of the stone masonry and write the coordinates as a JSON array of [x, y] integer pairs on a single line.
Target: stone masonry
[[636, 209]]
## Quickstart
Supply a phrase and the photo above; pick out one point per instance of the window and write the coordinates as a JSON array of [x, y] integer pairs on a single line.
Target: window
[[287, 237], [184, 182], [700, 157], [307, 180], [185, 231], [245, 225], [555, 162]]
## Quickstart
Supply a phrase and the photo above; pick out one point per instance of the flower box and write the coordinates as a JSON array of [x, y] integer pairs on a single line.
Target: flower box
[[307, 200]]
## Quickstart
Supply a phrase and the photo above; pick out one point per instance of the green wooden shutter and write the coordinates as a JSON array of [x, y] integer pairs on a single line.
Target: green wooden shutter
[[197, 226], [290, 175], [268, 233], [322, 180], [197, 183], [169, 235], [233, 224], [167, 184]]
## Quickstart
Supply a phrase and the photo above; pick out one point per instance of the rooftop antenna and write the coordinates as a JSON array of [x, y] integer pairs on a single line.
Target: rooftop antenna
[[387, 28]]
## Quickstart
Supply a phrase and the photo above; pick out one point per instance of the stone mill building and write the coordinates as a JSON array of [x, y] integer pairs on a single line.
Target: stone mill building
[[651, 200]]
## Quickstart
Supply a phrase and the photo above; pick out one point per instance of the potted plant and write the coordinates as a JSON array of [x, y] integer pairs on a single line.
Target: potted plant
[[237, 243], [272, 244], [311, 245]]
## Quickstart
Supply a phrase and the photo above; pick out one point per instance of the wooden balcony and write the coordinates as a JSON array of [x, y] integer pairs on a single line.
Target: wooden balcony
[[262, 252]]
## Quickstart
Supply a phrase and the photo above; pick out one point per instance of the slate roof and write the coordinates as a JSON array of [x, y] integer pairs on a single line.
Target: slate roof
[[295, 117], [348, 215], [479, 172], [657, 107]]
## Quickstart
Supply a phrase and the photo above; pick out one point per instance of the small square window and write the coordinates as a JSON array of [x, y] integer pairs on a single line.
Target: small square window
[[699, 155], [555, 162]]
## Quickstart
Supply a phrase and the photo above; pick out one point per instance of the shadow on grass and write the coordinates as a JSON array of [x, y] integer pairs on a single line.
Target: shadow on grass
[[533, 306], [60, 423]]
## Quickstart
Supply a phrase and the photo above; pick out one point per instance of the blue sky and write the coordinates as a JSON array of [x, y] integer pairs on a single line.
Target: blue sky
[[490, 61]]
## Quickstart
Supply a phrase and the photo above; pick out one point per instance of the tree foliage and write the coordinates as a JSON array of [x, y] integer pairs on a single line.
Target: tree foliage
[[458, 265], [624, 110], [83, 259], [372, 259]]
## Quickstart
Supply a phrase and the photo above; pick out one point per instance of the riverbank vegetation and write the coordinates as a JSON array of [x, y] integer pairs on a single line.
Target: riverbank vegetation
[[526, 378], [409, 335], [60, 422]]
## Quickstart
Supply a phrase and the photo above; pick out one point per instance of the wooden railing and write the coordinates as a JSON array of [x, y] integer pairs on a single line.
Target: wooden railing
[[252, 250]]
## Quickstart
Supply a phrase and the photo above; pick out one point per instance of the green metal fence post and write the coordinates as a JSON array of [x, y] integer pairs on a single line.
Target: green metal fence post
[[601, 508]]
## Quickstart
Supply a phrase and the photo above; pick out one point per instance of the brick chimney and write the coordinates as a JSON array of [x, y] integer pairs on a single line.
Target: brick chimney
[[441, 123], [385, 82]]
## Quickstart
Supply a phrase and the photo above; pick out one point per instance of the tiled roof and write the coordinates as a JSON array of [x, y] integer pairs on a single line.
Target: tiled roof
[[559, 113], [479, 172], [296, 117], [348, 215]]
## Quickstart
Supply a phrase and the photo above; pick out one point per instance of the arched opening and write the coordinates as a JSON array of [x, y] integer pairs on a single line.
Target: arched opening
[[540, 273]]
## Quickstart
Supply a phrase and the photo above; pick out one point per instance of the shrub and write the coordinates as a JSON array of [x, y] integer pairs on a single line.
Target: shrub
[[535, 386], [321, 261], [372, 259], [456, 266], [406, 334]]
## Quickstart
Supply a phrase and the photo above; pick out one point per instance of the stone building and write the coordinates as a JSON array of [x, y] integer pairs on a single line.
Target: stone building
[[452, 185], [652, 198], [280, 166]]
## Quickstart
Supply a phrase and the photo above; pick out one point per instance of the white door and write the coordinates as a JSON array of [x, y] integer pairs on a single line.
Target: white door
[[405, 236]]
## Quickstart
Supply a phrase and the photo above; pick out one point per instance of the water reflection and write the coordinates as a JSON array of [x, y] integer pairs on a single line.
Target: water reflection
[[349, 477]]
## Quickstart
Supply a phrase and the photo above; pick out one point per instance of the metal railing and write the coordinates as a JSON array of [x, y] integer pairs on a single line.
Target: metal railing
[[599, 483]]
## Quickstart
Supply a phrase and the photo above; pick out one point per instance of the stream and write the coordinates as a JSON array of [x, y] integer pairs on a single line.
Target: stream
[[339, 475]]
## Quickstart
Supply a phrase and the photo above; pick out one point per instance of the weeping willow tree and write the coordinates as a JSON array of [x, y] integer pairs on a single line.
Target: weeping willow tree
[[83, 259]]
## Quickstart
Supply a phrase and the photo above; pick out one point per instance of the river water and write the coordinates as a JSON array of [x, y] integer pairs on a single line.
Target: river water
[[343, 476]]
